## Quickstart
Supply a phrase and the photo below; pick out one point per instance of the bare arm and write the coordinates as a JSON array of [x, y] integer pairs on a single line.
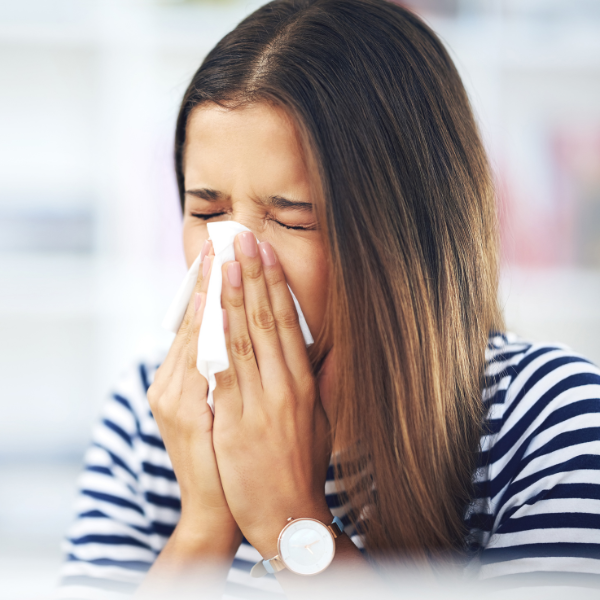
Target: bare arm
[[200, 551], [271, 432], [195, 561]]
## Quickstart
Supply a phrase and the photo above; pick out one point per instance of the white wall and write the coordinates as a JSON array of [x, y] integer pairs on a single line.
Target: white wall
[[89, 224]]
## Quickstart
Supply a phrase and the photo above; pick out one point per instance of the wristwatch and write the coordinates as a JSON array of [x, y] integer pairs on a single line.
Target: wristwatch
[[304, 546]]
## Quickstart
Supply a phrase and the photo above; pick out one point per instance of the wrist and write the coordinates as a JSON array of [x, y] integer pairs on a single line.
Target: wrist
[[207, 536], [265, 539]]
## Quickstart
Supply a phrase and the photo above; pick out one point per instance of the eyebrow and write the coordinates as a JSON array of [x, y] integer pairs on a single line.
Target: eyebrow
[[276, 201]]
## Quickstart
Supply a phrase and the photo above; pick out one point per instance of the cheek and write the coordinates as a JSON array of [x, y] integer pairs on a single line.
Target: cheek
[[194, 236]]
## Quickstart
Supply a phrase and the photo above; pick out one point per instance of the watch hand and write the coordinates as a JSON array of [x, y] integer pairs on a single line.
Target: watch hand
[[315, 542]]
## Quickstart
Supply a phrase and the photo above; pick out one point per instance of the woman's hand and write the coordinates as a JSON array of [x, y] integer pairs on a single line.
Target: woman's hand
[[178, 402], [270, 432]]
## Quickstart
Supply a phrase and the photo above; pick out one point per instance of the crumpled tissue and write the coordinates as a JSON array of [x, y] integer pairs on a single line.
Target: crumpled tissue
[[212, 351]]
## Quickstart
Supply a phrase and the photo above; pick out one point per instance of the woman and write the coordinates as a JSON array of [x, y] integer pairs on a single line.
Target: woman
[[339, 133]]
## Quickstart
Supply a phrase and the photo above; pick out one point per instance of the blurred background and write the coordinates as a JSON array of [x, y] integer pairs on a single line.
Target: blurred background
[[90, 251]]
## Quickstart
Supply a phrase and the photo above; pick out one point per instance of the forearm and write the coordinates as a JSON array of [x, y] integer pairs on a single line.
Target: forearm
[[195, 560]]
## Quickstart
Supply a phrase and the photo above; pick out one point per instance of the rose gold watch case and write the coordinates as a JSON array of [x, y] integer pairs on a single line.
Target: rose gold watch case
[[293, 521]]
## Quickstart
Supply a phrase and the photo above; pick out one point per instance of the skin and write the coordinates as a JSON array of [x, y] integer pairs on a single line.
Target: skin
[[263, 457], [250, 155]]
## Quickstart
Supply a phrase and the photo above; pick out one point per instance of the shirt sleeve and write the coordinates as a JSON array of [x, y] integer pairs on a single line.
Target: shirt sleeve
[[111, 543], [545, 475]]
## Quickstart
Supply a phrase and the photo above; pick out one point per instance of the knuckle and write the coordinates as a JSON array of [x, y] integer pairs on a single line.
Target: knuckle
[[241, 348], [236, 301], [254, 271], [228, 380], [190, 360], [153, 395], [161, 407], [186, 323], [263, 319], [275, 277], [287, 318]]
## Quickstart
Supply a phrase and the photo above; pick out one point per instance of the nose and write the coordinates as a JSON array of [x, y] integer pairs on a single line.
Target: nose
[[254, 223]]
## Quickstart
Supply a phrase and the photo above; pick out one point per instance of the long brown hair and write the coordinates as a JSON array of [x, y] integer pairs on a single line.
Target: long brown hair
[[406, 204]]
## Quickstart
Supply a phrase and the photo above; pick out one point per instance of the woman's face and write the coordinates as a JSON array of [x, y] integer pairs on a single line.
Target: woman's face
[[246, 165]]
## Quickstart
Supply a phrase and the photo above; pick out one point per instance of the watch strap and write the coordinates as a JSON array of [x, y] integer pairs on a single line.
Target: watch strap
[[336, 527], [272, 565], [275, 564]]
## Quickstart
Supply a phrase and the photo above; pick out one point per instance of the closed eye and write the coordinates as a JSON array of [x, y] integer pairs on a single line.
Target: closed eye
[[207, 216], [298, 227]]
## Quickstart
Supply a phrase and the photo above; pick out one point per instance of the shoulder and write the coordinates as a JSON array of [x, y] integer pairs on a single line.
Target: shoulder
[[131, 387], [126, 422], [128, 499], [125, 438], [127, 431], [540, 460], [534, 387]]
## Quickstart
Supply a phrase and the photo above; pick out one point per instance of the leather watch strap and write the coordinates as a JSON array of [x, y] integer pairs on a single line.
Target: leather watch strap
[[336, 527]]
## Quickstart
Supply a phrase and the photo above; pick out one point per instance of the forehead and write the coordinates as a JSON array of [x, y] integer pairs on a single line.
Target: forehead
[[255, 146]]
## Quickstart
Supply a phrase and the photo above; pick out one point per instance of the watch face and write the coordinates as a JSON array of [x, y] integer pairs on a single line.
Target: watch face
[[306, 546]]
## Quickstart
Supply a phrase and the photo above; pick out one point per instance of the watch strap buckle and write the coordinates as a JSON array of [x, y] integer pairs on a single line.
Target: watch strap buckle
[[336, 528]]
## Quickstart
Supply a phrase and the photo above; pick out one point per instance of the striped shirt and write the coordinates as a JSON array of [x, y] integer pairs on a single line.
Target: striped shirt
[[536, 508]]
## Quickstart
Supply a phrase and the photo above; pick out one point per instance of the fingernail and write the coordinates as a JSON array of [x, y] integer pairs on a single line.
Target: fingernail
[[198, 300], [248, 243], [205, 266], [225, 321], [266, 254], [234, 274], [205, 250]]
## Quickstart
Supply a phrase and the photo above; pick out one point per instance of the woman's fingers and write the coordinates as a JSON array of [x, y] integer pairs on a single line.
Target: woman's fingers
[[242, 359], [194, 387], [227, 394], [185, 333], [261, 321], [285, 314], [186, 358], [167, 394], [184, 369]]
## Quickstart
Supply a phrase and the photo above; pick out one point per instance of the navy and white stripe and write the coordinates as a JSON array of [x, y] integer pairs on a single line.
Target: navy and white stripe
[[536, 508]]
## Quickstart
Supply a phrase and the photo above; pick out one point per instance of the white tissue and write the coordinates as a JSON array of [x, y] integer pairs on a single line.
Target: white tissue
[[212, 352]]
